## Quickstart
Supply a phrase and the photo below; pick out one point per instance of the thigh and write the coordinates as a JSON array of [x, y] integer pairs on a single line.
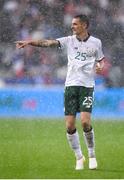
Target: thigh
[[71, 100], [85, 117], [86, 99]]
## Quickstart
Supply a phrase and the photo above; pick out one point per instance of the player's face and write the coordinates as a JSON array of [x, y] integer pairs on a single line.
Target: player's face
[[77, 26]]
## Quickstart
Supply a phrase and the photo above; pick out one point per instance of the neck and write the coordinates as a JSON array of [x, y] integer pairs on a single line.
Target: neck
[[82, 36]]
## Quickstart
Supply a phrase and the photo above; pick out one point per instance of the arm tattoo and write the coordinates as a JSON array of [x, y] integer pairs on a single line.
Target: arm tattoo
[[45, 43]]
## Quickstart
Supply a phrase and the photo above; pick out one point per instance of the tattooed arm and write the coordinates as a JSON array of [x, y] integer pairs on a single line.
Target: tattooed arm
[[39, 43]]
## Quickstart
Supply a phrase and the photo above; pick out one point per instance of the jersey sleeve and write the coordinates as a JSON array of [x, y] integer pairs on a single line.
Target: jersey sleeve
[[63, 42], [99, 53]]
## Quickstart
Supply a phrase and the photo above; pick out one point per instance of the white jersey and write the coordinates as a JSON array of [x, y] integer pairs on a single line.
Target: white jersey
[[82, 56]]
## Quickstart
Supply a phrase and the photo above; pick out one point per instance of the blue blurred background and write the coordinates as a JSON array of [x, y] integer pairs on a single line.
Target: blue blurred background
[[48, 103], [32, 79]]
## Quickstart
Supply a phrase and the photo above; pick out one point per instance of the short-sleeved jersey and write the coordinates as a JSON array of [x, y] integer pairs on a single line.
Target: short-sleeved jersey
[[82, 56]]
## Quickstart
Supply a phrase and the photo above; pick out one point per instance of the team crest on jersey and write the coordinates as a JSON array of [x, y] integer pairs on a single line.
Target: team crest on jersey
[[90, 52]]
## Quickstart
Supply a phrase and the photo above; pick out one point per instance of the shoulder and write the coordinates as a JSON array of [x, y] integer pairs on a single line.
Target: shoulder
[[67, 37], [95, 40], [72, 37], [66, 40]]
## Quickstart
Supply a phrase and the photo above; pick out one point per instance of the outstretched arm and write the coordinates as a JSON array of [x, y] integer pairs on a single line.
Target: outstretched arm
[[39, 43]]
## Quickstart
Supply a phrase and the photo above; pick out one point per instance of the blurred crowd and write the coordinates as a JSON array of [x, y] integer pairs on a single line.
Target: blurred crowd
[[38, 19]]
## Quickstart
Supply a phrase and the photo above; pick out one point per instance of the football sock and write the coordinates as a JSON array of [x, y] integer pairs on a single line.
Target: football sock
[[74, 143], [89, 139]]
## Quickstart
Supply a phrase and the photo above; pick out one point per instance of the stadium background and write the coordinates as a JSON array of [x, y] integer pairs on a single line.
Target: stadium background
[[38, 67]]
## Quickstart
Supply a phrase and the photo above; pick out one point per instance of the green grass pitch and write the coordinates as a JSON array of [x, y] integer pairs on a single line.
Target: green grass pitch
[[38, 149]]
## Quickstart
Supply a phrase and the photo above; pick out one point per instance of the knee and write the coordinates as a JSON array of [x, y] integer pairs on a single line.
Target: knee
[[86, 126], [86, 121], [70, 128], [70, 124]]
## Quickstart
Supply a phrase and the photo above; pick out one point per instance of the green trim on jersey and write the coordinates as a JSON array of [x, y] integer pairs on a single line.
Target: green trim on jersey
[[78, 99]]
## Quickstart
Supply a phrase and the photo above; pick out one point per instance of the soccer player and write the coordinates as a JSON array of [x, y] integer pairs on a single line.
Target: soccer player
[[85, 56]]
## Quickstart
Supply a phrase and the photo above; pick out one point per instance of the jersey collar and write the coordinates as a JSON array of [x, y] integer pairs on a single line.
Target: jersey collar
[[84, 40]]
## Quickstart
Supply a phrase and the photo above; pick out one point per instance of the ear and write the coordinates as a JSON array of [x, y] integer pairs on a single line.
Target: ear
[[85, 25]]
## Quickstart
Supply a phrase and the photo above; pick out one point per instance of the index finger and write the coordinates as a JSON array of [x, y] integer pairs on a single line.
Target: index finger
[[18, 42]]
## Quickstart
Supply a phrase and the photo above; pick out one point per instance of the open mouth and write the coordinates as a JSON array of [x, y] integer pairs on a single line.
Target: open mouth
[[74, 31]]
